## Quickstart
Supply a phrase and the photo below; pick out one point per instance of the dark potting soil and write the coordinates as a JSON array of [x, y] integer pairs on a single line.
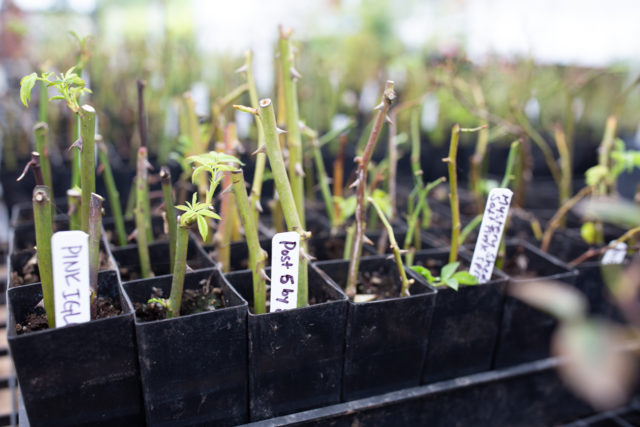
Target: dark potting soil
[[37, 320], [29, 272], [199, 300], [517, 266], [333, 248], [377, 283]]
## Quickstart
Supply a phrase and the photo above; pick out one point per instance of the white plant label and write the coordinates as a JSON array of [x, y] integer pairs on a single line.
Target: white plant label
[[486, 250], [71, 291], [616, 254], [285, 260]]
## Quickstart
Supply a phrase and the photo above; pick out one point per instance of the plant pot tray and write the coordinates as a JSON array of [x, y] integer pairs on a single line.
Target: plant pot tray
[[530, 394]]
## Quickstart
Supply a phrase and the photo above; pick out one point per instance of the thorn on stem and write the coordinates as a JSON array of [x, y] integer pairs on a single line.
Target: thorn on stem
[[77, 144]]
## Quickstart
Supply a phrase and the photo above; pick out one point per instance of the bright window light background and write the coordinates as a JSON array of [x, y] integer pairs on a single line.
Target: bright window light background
[[583, 32]]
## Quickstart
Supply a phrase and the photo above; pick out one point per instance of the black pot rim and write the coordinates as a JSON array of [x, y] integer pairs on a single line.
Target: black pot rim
[[11, 324], [209, 270], [321, 273], [428, 288]]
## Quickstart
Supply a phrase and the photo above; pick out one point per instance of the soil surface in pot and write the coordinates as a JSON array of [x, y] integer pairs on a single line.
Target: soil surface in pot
[[517, 266], [206, 298], [29, 272], [333, 248], [377, 284], [37, 320]]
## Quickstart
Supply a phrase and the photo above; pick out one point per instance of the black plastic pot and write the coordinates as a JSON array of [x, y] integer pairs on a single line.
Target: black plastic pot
[[193, 367], [295, 356], [22, 241], [526, 395], [567, 245], [128, 261], [84, 374], [386, 340], [465, 323], [525, 333]]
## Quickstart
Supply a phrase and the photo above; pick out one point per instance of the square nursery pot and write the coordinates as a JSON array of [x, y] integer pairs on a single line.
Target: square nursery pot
[[525, 333], [22, 241], [465, 323], [567, 245], [193, 367], [386, 340], [84, 374], [295, 356], [128, 260]]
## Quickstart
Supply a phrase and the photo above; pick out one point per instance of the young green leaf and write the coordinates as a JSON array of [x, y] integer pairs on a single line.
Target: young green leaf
[[424, 272], [465, 278], [448, 270], [203, 228], [452, 283], [26, 85]]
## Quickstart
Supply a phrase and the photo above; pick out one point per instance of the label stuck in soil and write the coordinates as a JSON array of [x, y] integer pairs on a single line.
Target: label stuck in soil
[[616, 254], [486, 250], [285, 259], [71, 291]]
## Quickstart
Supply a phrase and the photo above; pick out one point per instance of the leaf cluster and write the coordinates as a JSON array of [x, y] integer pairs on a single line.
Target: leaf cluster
[[448, 276], [197, 212], [70, 87], [215, 164]]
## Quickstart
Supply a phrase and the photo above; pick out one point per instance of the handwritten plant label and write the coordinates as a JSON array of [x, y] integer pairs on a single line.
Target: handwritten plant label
[[616, 254], [486, 250], [71, 292], [285, 256]]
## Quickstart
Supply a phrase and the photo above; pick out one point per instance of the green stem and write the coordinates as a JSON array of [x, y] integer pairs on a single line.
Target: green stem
[[387, 98], [323, 178], [142, 126], [512, 158], [453, 193], [605, 147], [542, 145], [348, 241], [261, 157], [95, 227], [112, 193], [40, 131], [283, 186], [179, 269], [257, 256], [141, 213], [131, 201], [75, 155], [294, 140], [44, 231], [170, 212], [412, 221], [88, 176], [396, 249], [42, 106], [74, 200], [466, 231], [415, 148], [564, 188]]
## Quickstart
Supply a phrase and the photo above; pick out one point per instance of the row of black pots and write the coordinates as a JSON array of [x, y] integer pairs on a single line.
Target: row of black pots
[[396, 355]]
